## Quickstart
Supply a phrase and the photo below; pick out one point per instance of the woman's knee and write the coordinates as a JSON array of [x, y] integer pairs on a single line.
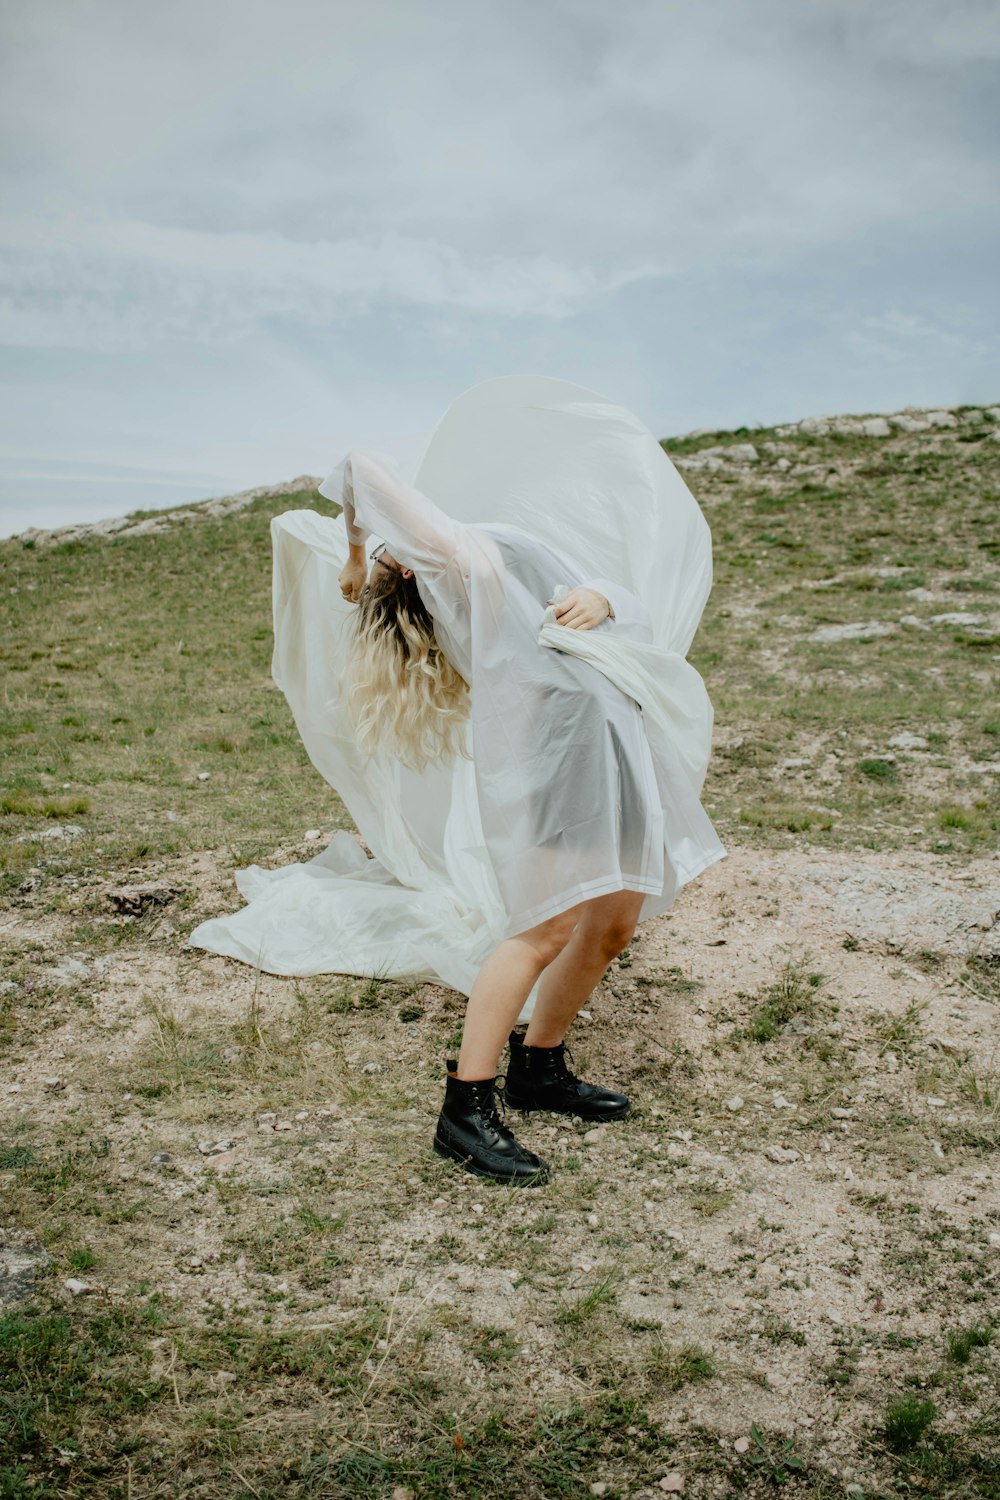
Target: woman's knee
[[549, 939], [613, 935]]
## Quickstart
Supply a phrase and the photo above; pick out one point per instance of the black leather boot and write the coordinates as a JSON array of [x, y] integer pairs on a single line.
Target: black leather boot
[[470, 1131], [538, 1078]]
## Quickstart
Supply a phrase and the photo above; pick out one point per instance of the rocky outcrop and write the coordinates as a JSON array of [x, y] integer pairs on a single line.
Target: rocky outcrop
[[225, 505]]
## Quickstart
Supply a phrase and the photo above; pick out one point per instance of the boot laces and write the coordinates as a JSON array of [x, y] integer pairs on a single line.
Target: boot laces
[[560, 1055], [489, 1097]]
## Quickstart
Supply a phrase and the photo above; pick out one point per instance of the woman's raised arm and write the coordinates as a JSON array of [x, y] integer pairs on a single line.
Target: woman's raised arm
[[377, 500]]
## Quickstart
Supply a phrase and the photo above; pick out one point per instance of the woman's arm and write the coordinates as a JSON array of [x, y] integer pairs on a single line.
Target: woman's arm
[[378, 501]]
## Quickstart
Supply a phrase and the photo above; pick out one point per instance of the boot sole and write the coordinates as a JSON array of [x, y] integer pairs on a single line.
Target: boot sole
[[455, 1153], [592, 1119]]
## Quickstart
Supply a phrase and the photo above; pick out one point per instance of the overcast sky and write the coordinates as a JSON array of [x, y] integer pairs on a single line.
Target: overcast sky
[[238, 236]]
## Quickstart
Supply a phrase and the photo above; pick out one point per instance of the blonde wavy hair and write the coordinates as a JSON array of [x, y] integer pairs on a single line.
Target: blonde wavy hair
[[405, 695]]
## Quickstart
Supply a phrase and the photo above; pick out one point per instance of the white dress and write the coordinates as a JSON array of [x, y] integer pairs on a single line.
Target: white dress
[[588, 748]]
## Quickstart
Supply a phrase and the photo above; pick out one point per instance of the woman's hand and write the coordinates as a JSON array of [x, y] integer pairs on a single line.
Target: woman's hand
[[582, 609], [353, 577]]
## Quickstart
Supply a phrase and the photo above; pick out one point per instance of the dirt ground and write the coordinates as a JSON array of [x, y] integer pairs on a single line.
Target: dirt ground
[[813, 1211]]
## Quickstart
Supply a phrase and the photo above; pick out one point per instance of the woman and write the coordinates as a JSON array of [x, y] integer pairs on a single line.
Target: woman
[[525, 811]]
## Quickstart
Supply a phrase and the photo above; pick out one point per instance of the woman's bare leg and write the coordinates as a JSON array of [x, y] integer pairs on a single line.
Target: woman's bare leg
[[604, 930], [501, 987]]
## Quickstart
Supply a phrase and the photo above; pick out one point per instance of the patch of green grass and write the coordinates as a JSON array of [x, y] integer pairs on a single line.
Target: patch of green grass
[[672, 1366], [906, 1031], [793, 993], [961, 1345], [27, 805], [602, 1293], [879, 770], [906, 1422]]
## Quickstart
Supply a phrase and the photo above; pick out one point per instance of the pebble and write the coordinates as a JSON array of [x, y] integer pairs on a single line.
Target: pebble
[[400, 1492], [995, 1240], [673, 1483], [477, 1208], [599, 1488], [742, 1445], [735, 1102], [842, 1114], [267, 1118], [283, 1125], [374, 1067], [781, 1154], [439, 1203], [312, 834], [591, 1137], [53, 1083], [303, 1114], [780, 1102], [593, 1221], [161, 1159], [77, 1288], [204, 775], [908, 741], [936, 1103], [214, 1148]]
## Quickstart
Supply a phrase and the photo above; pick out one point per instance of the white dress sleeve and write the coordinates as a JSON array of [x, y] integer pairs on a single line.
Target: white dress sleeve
[[377, 500]]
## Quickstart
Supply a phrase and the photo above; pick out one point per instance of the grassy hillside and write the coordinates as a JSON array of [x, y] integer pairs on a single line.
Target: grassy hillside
[[230, 1265], [134, 663]]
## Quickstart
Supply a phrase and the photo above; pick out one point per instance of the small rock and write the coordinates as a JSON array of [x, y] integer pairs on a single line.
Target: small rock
[[995, 1240], [161, 1159], [312, 834], [302, 1114], [673, 1483], [69, 971], [599, 1488], [591, 1137], [374, 1067], [907, 741], [936, 1103], [781, 1154], [135, 900], [224, 1377], [958, 617], [214, 1148], [439, 1203], [593, 1222], [780, 1102], [284, 1125], [860, 631], [267, 1118], [842, 1114], [204, 775], [220, 1159], [734, 1102], [53, 1084], [77, 1288], [400, 1492], [742, 1445]]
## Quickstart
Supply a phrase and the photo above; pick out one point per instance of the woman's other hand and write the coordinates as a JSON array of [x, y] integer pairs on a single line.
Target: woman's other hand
[[582, 609], [353, 577]]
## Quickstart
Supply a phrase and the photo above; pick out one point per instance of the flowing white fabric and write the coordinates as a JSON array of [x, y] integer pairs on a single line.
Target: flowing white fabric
[[587, 749]]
